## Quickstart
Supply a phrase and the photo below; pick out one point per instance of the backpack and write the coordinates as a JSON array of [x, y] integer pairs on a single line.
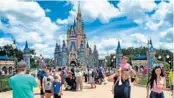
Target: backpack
[[48, 83]]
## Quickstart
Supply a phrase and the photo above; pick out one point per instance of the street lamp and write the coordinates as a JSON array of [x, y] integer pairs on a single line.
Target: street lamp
[[167, 56], [159, 57]]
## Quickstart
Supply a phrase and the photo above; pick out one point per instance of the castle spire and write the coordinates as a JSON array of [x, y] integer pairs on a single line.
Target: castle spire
[[87, 45], [26, 45], [79, 10], [79, 18], [74, 22], [119, 46]]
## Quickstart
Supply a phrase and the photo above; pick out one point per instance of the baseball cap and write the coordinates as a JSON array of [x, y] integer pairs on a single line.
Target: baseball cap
[[21, 65]]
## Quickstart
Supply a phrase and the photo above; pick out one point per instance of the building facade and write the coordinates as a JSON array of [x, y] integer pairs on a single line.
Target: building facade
[[76, 50]]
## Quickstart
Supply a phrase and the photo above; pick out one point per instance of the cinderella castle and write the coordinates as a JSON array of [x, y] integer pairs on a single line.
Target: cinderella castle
[[76, 51]]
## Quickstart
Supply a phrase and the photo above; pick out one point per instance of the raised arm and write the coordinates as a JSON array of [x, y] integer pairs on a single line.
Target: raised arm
[[164, 87], [111, 77], [43, 82]]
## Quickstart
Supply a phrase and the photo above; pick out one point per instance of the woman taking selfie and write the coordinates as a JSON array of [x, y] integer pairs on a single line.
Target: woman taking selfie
[[156, 83]]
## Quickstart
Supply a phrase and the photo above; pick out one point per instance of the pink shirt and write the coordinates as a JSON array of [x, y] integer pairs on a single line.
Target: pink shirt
[[158, 87], [125, 66]]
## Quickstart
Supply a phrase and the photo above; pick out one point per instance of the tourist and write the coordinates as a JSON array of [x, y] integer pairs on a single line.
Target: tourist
[[126, 66], [40, 77], [171, 80], [100, 74], [68, 79], [22, 84], [47, 84], [121, 88], [156, 83], [73, 80], [57, 88], [91, 78], [86, 74], [79, 80]]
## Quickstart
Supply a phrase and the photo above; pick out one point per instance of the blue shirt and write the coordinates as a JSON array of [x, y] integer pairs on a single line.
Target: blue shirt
[[56, 87], [100, 70], [41, 74], [22, 85]]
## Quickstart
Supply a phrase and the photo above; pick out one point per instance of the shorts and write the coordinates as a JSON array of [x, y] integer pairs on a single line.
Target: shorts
[[47, 91], [156, 95], [171, 87], [57, 96], [41, 92]]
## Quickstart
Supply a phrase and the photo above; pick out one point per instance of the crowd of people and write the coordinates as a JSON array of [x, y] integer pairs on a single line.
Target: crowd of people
[[52, 81]]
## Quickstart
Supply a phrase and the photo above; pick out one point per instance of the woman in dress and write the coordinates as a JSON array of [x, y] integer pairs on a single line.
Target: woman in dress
[[91, 78], [157, 83]]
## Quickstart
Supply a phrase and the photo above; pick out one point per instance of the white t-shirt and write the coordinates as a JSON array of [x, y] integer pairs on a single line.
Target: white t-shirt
[[48, 81]]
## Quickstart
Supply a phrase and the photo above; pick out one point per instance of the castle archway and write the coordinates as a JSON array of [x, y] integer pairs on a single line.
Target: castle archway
[[73, 63]]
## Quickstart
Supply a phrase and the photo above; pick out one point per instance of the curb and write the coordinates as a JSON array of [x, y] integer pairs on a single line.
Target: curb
[[167, 89]]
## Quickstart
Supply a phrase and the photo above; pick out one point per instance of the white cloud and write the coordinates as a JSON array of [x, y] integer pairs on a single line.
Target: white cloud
[[60, 21], [5, 41], [162, 18], [108, 45], [92, 10], [140, 37], [27, 21], [47, 10]]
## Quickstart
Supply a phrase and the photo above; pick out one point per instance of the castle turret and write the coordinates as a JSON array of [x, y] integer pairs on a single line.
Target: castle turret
[[57, 55], [95, 53], [87, 50], [64, 55], [82, 53], [151, 54], [26, 55], [119, 55]]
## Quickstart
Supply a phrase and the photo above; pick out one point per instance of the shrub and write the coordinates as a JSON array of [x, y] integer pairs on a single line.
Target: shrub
[[4, 86]]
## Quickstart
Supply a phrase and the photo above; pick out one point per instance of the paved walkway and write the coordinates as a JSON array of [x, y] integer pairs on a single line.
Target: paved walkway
[[102, 91]]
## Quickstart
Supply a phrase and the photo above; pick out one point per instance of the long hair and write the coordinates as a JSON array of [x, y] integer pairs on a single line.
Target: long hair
[[154, 76]]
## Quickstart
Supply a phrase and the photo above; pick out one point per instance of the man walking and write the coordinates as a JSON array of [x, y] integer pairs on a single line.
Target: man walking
[[22, 84]]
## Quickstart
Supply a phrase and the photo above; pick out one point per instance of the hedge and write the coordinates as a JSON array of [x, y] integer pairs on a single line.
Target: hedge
[[4, 86]]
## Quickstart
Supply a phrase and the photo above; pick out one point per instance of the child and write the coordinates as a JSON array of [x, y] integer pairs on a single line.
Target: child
[[57, 88], [47, 84], [126, 67]]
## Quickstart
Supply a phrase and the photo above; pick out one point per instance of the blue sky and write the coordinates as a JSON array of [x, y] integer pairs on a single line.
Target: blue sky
[[44, 23]]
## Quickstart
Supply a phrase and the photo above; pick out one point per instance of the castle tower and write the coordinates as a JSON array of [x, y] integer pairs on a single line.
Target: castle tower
[[119, 55], [64, 57], [82, 53], [26, 55], [57, 55], [151, 54], [95, 53], [87, 50]]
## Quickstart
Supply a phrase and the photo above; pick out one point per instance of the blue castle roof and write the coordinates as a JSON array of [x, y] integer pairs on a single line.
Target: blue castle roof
[[26, 49], [140, 58], [87, 45], [119, 48], [151, 48], [6, 58]]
